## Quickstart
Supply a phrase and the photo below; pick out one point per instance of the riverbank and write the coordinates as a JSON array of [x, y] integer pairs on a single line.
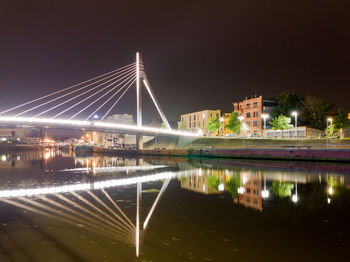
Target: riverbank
[[338, 155]]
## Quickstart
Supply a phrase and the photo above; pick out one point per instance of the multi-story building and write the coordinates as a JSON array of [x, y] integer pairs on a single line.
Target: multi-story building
[[251, 109], [198, 121]]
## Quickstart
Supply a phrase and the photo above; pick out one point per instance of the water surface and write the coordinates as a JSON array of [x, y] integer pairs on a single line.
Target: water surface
[[60, 207]]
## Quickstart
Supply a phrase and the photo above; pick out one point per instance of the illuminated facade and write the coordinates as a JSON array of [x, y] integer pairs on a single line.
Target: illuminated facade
[[198, 121], [251, 109]]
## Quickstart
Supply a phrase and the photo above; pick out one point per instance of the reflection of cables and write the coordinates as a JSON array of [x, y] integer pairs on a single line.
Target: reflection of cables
[[70, 87], [118, 100], [87, 91], [130, 77], [111, 97]]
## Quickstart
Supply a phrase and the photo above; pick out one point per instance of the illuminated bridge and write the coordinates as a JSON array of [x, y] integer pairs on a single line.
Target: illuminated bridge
[[78, 105]]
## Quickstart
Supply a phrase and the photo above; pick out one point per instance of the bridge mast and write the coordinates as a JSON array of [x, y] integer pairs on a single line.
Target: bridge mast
[[138, 92]]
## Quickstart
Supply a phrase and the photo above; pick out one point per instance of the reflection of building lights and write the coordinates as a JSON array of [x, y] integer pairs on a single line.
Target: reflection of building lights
[[240, 190], [221, 187], [265, 193], [3, 139], [203, 187], [328, 200], [295, 198], [3, 158], [330, 190], [200, 172], [244, 179]]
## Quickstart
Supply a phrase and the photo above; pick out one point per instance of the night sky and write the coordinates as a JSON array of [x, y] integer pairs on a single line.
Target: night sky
[[197, 54]]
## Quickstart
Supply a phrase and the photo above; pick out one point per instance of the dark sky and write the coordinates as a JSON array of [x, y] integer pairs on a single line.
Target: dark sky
[[197, 54]]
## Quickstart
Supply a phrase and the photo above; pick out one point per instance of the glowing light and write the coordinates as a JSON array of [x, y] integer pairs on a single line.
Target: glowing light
[[264, 116], [3, 158], [328, 200], [240, 190], [86, 186], [81, 123], [48, 140], [294, 113], [240, 118], [330, 190], [265, 193], [295, 198], [3, 139], [221, 187], [96, 116]]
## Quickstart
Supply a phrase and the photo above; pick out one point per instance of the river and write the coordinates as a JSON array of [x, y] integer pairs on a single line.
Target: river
[[60, 207]]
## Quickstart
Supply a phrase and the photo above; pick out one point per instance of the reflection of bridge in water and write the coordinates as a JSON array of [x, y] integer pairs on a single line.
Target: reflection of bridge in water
[[91, 206]]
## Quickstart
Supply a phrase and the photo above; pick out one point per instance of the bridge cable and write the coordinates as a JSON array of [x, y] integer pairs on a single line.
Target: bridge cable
[[110, 98], [83, 100], [120, 89], [118, 99], [50, 101], [67, 88]]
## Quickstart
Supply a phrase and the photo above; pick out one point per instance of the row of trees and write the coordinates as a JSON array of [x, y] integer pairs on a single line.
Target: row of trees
[[312, 111]]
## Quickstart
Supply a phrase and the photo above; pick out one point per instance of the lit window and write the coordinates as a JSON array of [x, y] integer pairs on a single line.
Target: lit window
[[247, 105]]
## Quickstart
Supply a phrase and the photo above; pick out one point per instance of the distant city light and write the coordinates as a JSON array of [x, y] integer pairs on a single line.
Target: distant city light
[[240, 190], [295, 198], [221, 187], [95, 116]]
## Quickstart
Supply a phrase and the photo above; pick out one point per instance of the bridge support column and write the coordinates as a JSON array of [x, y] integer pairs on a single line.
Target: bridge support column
[[139, 142]]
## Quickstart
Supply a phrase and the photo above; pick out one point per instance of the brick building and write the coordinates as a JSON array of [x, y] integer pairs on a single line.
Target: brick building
[[251, 109]]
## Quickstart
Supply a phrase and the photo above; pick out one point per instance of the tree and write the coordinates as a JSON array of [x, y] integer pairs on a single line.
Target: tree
[[282, 189], [234, 124], [281, 123], [287, 103], [182, 126], [341, 120], [316, 111], [213, 125]]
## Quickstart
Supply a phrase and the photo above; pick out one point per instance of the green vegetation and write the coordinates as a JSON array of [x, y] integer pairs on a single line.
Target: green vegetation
[[182, 126], [162, 125], [232, 185], [281, 123], [316, 111], [213, 182], [330, 130], [287, 103], [282, 189], [213, 125], [341, 120], [234, 124]]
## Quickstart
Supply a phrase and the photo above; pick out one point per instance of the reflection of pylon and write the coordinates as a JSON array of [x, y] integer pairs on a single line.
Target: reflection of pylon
[[93, 213]]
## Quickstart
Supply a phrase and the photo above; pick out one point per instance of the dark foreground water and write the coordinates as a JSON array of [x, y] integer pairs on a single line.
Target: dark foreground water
[[56, 207]]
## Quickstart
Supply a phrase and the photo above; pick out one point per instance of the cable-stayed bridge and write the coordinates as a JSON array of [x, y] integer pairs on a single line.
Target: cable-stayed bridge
[[77, 106]]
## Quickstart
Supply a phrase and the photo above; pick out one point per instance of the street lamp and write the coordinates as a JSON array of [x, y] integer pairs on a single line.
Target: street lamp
[[295, 196], [328, 120], [265, 192], [240, 118], [222, 127], [295, 114], [264, 116]]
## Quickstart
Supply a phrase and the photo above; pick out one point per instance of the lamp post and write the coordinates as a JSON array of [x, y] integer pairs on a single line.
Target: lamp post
[[295, 114], [328, 120], [240, 118], [264, 116], [222, 127]]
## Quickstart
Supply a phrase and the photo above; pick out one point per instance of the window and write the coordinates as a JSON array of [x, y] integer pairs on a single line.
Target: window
[[256, 192], [217, 115], [194, 117], [248, 190], [247, 105], [182, 119], [255, 201], [248, 199], [255, 104], [190, 118], [255, 132], [248, 115], [194, 124], [248, 123], [256, 113], [203, 115], [255, 123], [189, 125], [240, 106]]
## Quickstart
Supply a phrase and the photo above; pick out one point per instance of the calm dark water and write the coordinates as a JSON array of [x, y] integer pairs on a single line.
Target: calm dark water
[[59, 207]]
